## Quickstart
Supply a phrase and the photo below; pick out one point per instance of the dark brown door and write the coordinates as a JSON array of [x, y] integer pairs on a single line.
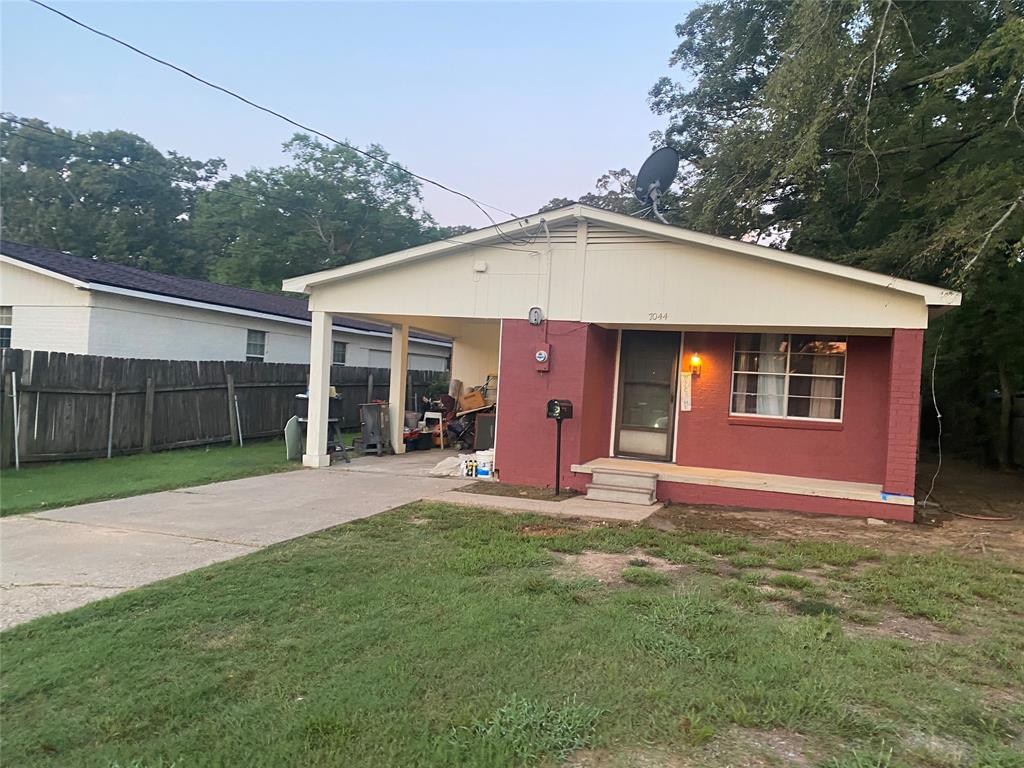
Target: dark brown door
[[648, 377]]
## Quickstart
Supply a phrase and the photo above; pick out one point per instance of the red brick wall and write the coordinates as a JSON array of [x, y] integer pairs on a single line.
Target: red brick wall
[[582, 368], [854, 450], [873, 444], [904, 411]]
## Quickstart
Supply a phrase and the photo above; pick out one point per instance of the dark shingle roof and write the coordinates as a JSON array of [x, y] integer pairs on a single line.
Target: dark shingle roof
[[120, 276]]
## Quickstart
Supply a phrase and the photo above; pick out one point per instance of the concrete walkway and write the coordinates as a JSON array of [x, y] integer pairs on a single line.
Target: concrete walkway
[[58, 560]]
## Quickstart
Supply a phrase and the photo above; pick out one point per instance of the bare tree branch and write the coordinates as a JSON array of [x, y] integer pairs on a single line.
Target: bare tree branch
[[1016, 101], [871, 91], [992, 230], [900, 150]]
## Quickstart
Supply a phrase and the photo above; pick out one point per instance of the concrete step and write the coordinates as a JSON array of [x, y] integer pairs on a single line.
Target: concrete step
[[620, 478], [597, 492]]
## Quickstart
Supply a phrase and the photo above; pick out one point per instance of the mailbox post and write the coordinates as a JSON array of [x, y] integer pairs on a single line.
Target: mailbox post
[[559, 410]]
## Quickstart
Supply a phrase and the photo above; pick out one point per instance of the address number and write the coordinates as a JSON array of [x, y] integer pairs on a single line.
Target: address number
[[657, 315]]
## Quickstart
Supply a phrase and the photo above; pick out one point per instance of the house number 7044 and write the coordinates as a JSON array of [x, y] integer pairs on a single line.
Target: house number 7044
[[657, 315]]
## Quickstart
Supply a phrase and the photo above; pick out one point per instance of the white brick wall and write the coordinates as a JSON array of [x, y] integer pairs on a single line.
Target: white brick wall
[[54, 329]]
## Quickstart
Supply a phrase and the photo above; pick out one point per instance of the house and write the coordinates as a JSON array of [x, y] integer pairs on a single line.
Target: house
[[725, 372], [61, 303]]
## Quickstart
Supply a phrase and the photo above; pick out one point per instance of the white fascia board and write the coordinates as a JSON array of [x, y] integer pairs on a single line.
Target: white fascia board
[[931, 295], [40, 271], [146, 296]]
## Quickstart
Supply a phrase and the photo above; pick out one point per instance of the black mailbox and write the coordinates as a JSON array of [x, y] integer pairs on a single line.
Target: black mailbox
[[559, 409]]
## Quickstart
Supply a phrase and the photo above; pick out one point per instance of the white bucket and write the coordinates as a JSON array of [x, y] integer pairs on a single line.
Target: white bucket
[[485, 464]]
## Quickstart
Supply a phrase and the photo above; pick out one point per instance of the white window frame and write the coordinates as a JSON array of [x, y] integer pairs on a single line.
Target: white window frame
[[7, 324], [334, 352], [786, 377], [252, 357]]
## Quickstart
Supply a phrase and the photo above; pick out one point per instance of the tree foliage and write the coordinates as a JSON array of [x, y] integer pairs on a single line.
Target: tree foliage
[[330, 206], [105, 194], [882, 133], [114, 196]]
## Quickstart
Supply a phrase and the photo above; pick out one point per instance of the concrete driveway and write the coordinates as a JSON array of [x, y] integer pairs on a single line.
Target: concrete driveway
[[58, 560]]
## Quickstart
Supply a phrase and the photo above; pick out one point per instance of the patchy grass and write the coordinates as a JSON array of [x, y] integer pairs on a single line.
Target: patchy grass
[[644, 577], [791, 581], [35, 488], [524, 731], [442, 636]]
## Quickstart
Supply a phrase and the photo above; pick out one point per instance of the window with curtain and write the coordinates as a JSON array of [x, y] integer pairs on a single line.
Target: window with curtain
[[789, 376], [255, 346]]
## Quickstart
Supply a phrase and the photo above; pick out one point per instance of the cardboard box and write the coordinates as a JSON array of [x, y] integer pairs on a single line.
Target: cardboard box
[[471, 400]]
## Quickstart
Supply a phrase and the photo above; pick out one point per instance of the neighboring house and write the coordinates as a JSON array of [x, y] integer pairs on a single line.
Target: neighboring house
[[61, 303], [721, 371]]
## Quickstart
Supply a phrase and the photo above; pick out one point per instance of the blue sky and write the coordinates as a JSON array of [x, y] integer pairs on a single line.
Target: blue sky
[[513, 103]]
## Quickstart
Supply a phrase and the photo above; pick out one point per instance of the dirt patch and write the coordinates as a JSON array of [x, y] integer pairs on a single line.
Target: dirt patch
[[539, 530], [961, 489], [898, 626], [632, 758], [813, 575], [492, 488], [751, 748], [886, 624], [607, 567], [937, 750], [734, 748], [419, 520]]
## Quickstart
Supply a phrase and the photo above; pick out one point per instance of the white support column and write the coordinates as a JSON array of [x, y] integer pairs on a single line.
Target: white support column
[[319, 388], [399, 375]]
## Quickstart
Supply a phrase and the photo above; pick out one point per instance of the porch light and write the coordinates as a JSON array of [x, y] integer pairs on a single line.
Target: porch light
[[695, 364]]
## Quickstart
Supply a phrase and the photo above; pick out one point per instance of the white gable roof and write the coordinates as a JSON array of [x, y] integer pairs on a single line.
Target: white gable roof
[[527, 226]]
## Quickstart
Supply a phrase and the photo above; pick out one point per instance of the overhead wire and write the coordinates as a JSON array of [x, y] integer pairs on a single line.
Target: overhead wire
[[479, 204]]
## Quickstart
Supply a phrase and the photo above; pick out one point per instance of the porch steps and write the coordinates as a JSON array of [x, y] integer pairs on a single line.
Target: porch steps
[[623, 486]]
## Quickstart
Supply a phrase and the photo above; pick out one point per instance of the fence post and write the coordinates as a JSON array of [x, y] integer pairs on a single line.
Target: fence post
[[232, 413], [7, 422], [369, 386], [147, 417], [110, 427]]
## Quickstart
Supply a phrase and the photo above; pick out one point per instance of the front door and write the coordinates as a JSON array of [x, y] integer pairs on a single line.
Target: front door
[[648, 376]]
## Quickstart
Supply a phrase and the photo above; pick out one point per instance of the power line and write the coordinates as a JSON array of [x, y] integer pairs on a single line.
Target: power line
[[480, 205], [262, 199]]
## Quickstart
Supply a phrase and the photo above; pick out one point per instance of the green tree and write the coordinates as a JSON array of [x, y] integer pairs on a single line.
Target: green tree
[[110, 195], [882, 133], [328, 207]]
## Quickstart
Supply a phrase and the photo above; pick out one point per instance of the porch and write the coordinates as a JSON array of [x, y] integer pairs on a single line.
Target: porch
[[749, 481]]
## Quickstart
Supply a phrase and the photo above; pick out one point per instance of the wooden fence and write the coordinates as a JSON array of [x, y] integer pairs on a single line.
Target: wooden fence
[[84, 406]]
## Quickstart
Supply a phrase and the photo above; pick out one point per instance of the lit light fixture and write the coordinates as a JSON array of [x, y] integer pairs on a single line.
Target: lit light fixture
[[695, 364]]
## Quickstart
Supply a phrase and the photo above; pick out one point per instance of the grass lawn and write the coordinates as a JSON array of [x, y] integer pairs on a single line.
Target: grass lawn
[[447, 636], [35, 488]]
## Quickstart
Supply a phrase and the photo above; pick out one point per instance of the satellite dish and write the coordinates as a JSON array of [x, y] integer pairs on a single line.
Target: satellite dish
[[655, 177]]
